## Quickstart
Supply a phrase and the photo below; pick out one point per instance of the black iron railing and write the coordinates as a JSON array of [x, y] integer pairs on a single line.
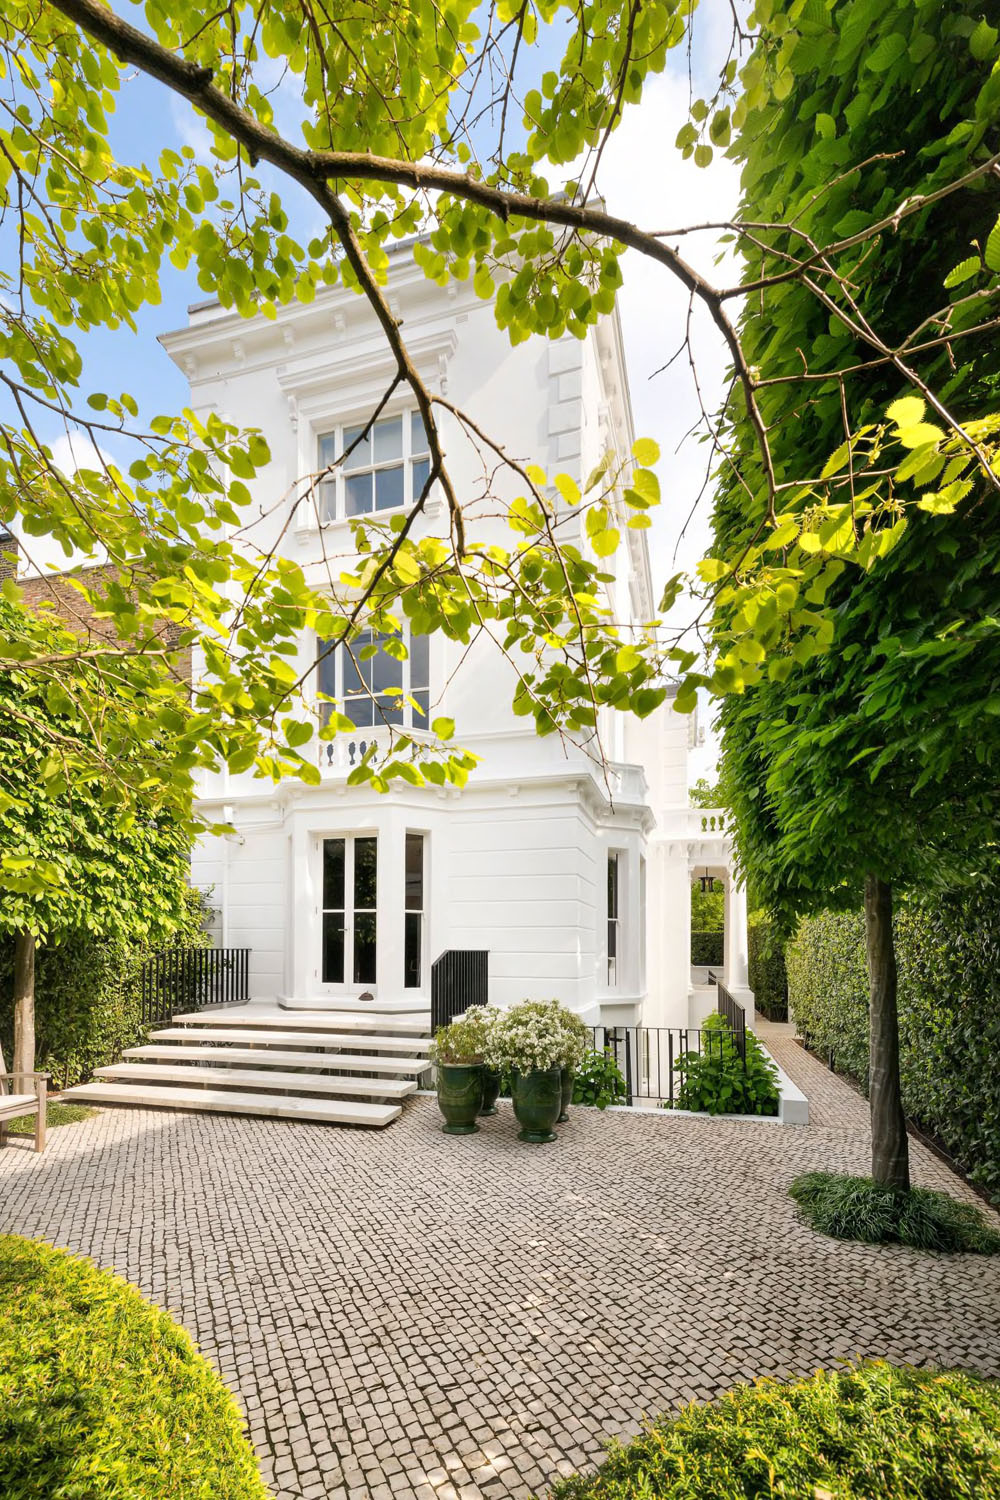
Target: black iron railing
[[653, 1059], [459, 978], [735, 1015], [180, 979]]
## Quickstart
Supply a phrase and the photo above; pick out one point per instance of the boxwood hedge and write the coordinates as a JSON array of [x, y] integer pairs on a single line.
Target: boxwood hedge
[[104, 1397], [850, 1434], [87, 999], [949, 1015]]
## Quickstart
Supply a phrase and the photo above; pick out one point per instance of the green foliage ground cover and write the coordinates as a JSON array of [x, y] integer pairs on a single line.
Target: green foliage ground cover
[[948, 953], [715, 1080], [856, 1208], [853, 1434], [104, 1397], [56, 1115]]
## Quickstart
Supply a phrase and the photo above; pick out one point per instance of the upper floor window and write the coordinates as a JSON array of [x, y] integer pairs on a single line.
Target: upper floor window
[[372, 685], [387, 469]]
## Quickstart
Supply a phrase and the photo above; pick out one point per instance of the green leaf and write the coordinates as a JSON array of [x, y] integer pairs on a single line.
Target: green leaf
[[964, 271], [645, 452]]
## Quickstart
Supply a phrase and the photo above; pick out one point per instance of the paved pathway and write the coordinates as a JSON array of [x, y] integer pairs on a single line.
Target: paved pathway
[[407, 1315]]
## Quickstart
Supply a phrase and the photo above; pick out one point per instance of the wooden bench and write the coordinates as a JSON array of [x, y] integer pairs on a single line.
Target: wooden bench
[[14, 1106]]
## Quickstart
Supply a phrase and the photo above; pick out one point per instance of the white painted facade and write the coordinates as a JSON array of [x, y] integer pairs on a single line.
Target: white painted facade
[[517, 862]]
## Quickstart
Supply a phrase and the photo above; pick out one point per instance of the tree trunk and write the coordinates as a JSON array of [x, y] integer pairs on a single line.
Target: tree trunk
[[890, 1148], [24, 1009]]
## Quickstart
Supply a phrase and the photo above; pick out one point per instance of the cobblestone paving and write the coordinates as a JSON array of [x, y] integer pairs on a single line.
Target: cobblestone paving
[[407, 1316]]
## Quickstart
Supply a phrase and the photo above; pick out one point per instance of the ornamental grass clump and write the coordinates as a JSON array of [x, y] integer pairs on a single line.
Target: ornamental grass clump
[[102, 1394], [854, 1434], [856, 1208]]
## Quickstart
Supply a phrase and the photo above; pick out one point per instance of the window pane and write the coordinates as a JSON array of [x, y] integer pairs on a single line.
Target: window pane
[[327, 449], [422, 709], [326, 669], [328, 500], [333, 874], [418, 435], [411, 950], [421, 469], [414, 872], [358, 495], [387, 673], [612, 885], [388, 488], [361, 457], [365, 872], [333, 947], [388, 440], [364, 947], [420, 676]]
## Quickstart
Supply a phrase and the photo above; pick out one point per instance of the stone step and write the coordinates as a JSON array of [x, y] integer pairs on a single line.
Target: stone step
[[261, 1057], [254, 1078], [417, 1004], [226, 1102], [282, 1020], [268, 1038]]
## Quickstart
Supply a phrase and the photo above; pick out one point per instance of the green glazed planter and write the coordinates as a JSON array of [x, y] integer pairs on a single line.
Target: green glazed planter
[[537, 1100], [567, 1096], [491, 1091], [460, 1096]]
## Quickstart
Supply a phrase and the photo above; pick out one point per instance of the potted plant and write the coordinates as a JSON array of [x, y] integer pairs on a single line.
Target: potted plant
[[577, 1039], [480, 1019], [457, 1053], [529, 1042]]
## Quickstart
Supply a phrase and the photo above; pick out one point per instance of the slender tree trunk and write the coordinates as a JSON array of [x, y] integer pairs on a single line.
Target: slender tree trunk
[[24, 1009], [890, 1148]]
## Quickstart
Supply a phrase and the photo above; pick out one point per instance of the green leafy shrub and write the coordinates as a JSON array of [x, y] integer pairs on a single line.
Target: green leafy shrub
[[948, 953], [707, 948], [708, 908], [856, 1208], [852, 1434], [599, 1081], [767, 975], [465, 1039], [715, 1082], [88, 998], [102, 1394]]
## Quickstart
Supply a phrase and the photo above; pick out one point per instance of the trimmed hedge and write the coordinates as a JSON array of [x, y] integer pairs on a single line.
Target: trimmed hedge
[[104, 1397], [88, 1000], [767, 975], [949, 1015], [707, 948], [900, 1434]]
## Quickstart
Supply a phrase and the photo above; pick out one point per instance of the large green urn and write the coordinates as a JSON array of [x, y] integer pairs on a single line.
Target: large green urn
[[537, 1098], [566, 1086], [491, 1091], [460, 1096]]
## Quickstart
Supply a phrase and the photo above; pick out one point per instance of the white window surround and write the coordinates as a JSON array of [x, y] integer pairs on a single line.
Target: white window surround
[[344, 387], [360, 687], [385, 470]]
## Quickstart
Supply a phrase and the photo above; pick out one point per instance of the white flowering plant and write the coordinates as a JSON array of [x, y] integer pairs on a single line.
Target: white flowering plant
[[466, 1038], [536, 1034]]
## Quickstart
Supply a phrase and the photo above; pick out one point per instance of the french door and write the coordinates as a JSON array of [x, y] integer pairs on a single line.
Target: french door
[[349, 927]]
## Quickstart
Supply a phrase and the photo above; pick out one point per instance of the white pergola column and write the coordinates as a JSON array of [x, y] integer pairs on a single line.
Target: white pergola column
[[737, 977]]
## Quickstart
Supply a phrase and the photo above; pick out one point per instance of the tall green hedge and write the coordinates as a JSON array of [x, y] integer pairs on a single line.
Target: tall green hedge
[[708, 949], [767, 975], [87, 999], [949, 1015]]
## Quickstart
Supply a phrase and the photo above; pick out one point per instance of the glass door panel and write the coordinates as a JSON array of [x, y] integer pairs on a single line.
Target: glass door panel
[[365, 893], [350, 892], [334, 887]]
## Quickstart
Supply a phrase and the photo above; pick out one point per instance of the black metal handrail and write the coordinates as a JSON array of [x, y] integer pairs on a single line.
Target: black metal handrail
[[179, 979], [459, 978], [652, 1059], [735, 1015]]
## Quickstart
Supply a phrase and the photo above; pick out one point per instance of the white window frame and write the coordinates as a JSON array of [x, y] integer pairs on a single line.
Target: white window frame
[[411, 719], [335, 485], [613, 963]]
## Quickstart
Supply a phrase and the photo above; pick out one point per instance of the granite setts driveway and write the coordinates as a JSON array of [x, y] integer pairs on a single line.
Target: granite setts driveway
[[404, 1314]]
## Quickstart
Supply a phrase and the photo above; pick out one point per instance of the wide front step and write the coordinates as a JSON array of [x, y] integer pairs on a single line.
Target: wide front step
[[266, 1057], [273, 1019], [338, 1039], [258, 1078], [230, 1102]]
